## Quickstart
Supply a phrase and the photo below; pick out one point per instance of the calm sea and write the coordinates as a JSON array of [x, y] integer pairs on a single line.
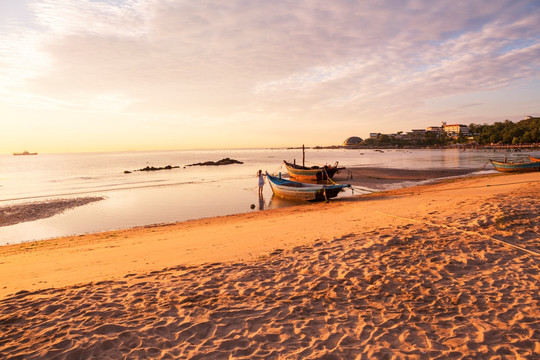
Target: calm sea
[[144, 198]]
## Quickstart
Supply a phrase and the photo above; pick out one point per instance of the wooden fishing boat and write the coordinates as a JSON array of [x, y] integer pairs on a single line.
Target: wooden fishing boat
[[301, 191], [516, 166], [314, 173], [533, 159]]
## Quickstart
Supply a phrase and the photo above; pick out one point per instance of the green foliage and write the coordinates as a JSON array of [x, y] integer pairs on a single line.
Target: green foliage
[[523, 132]]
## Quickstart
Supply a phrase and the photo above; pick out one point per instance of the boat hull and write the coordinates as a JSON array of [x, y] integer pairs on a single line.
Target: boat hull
[[533, 159], [294, 190], [303, 173], [516, 167]]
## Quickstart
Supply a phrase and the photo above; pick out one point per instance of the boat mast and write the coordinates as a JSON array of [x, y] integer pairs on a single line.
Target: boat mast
[[303, 156]]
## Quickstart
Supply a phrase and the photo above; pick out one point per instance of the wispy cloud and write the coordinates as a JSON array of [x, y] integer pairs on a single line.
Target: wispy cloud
[[65, 17], [309, 77]]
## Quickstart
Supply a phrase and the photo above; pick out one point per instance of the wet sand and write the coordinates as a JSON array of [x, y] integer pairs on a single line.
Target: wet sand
[[14, 214], [447, 270], [379, 178]]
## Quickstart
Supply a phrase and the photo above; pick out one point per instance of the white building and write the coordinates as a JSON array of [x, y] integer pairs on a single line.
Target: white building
[[456, 129]]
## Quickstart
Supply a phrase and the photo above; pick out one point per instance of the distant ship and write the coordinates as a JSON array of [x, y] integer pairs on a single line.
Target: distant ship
[[25, 153]]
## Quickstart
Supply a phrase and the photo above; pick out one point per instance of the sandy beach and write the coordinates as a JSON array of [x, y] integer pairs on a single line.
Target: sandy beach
[[447, 270]]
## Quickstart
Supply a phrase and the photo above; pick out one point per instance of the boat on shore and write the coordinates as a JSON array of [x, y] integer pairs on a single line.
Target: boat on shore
[[314, 173], [516, 166], [25, 153], [295, 190], [533, 159]]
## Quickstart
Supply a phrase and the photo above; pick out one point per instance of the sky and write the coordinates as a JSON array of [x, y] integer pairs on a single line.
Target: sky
[[89, 75]]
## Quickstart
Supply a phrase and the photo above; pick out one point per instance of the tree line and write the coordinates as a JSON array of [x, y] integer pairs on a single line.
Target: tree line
[[507, 133], [523, 132]]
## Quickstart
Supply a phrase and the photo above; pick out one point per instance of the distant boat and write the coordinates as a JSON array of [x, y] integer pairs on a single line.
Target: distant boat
[[516, 166], [301, 191], [533, 159], [25, 153], [314, 173]]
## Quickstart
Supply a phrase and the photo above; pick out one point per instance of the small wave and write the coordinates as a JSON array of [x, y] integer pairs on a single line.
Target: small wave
[[103, 189]]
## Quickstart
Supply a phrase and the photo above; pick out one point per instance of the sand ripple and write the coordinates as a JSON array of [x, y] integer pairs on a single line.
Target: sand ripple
[[416, 291], [429, 294]]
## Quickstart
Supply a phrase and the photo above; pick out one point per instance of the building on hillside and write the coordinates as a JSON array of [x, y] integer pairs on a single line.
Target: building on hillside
[[435, 129], [456, 129]]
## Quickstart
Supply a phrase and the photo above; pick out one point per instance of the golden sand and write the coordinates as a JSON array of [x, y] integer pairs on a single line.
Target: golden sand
[[449, 270]]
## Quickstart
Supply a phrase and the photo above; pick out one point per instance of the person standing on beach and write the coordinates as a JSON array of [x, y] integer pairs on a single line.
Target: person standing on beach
[[261, 182]]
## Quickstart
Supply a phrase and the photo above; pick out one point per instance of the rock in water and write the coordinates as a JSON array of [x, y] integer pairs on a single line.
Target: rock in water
[[225, 161]]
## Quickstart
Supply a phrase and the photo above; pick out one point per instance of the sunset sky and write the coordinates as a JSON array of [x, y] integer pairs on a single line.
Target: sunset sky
[[80, 75]]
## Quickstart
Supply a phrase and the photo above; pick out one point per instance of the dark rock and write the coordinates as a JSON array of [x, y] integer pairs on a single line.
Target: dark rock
[[226, 161], [152, 168]]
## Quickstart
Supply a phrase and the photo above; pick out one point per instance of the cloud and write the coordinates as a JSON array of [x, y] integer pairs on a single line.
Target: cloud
[[308, 78], [64, 17], [291, 59]]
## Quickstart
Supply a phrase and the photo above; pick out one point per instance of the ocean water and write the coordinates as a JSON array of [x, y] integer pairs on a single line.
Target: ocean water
[[144, 198]]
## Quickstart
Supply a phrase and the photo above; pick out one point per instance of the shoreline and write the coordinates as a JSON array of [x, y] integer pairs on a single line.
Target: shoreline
[[371, 178], [412, 272], [163, 232]]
